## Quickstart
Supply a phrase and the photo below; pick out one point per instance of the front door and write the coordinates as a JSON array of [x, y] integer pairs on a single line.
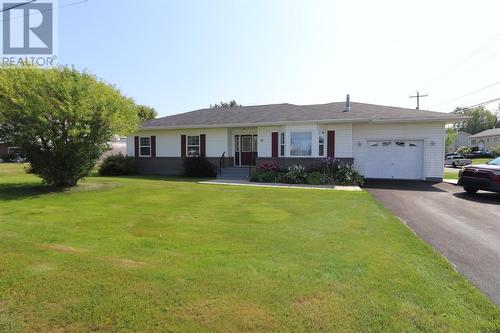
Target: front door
[[245, 149]]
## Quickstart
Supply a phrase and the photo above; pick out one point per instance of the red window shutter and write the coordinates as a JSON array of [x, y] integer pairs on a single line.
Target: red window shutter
[[136, 146], [274, 136], [183, 146], [203, 146], [331, 144], [153, 146]]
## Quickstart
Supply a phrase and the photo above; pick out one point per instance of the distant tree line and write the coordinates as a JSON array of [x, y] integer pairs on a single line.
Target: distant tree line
[[477, 120], [220, 105]]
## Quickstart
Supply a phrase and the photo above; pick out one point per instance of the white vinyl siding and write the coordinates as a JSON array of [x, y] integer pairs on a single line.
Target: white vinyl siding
[[343, 138], [168, 142], [264, 137], [432, 135]]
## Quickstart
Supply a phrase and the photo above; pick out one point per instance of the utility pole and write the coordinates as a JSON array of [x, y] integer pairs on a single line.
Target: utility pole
[[417, 96]]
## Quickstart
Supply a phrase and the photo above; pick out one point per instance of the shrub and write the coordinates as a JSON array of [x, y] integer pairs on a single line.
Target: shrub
[[296, 174], [269, 166], [267, 177], [328, 172], [317, 178], [464, 150], [8, 157], [117, 165], [198, 167], [496, 150], [348, 175]]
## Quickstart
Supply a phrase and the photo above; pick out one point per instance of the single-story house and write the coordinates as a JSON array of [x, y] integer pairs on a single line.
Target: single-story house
[[462, 139], [7, 148], [381, 141], [488, 139]]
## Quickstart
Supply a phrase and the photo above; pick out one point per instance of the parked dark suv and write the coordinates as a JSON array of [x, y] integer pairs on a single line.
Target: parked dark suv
[[481, 177]]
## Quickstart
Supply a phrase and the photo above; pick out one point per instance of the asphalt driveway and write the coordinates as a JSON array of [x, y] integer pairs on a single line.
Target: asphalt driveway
[[464, 228]]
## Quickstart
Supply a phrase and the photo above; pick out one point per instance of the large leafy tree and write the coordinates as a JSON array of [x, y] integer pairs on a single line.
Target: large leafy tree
[[62, 119], [451, 135], [477, 120], [146, 113]]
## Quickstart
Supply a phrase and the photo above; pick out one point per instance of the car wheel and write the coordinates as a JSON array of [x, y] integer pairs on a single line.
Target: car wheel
[[470, 190], [454, 165]]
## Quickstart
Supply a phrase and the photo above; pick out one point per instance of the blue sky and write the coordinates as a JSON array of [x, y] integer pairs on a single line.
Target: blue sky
[[182, 55]]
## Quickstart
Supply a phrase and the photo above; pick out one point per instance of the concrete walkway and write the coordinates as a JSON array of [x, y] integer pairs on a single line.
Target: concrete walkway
[[239, 182]]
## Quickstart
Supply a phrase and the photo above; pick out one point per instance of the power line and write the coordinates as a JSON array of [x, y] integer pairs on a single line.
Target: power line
[[470, 55], [418, 96], [47, 10], [480, 104], [16, 6], [468, 94]]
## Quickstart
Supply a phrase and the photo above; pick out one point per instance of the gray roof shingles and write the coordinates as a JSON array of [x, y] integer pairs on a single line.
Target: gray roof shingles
[[286, 113], [490, 132]]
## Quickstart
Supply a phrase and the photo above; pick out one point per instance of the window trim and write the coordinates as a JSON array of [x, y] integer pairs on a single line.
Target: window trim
[[281, 152], [321, 145], [188, 145], [144, 146], [311, 143]]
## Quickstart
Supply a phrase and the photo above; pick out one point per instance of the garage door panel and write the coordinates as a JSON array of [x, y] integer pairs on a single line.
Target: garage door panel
[[394, 159]]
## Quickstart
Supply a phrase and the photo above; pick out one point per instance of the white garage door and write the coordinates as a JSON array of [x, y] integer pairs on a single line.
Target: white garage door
[[398, 159]]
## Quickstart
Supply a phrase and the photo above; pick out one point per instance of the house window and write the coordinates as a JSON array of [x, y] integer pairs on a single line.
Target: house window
[[321, 148], [145, 146], [193, 146], [300, 143], [254, 143], [282, 144], [472, 142], [496, 139]]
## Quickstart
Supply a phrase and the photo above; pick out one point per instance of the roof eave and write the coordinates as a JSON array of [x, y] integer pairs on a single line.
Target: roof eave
[[447, 120], [322, 121], [277, 123]]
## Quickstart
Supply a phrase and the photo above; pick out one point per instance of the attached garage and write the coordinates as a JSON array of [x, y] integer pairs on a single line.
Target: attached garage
[[395, 159]]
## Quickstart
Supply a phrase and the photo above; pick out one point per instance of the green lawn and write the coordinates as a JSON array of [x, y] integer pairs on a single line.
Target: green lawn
[[451, 175], [481, 160], [154, 255]]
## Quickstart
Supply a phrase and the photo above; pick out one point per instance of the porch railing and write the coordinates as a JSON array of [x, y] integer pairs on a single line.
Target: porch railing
[[222, 162]]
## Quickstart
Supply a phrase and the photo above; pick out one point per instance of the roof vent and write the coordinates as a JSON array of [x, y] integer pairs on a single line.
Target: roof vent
[[347, 103]]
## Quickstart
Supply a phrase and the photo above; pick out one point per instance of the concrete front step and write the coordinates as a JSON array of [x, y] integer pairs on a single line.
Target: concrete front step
[[233, 173]]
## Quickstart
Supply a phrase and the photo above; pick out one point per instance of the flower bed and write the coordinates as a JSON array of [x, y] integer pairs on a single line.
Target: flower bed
[[328, 172]]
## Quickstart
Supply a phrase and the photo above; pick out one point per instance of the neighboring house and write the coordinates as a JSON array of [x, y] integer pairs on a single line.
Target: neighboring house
[[381, 141], [118, 146], [462, 139], [487, 140], [6, 148]]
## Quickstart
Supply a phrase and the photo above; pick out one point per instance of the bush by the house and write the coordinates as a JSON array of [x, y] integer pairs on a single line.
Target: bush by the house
[[296, 174], [8, 157], [464, 150], [496, 150], [267, 177], [329, 172], [117, 165], [198, 167], [269, 166]]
